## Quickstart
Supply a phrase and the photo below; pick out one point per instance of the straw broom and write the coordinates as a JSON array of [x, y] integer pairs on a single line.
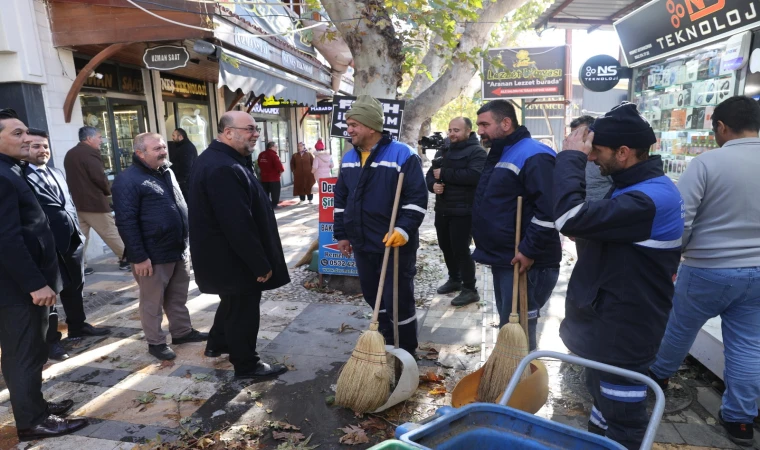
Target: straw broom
[[511, 344], [364, 382]]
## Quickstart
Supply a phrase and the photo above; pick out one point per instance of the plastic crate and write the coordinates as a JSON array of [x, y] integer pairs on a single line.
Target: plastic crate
[[393, 444], [487, 426]]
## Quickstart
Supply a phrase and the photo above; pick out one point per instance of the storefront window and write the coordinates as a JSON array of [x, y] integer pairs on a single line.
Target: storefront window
[[95, 114], [193, 118], [312, 131], [678, 97]]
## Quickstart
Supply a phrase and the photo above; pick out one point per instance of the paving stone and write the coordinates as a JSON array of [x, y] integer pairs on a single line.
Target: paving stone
[[132, 433], [704, 435], [710, 400], [444, 335], [217, 375], [667, 433], [157, 384], [72, 442], [95, 376]]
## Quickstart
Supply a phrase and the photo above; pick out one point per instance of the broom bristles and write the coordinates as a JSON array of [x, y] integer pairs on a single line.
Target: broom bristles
[[364, 381], [511, 347]]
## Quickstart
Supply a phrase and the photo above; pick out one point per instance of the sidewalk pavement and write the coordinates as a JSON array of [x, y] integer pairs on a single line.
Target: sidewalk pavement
[[131, 398]]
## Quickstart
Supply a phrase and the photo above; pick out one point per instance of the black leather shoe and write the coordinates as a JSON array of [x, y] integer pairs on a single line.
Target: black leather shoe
[[60, 408], [466, 297], [192, 336], [449, 287], [57, 352], [89, 330], [215, 352], [262, 370], [162, 352], [52, 426]]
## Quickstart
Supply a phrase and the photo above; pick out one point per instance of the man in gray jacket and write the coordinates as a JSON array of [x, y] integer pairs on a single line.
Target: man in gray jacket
[[720, 273]]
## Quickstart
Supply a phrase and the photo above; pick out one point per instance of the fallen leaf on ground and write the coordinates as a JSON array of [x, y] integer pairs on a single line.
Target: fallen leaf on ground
[[166, 363], [432, 354], [146, 398], [201, 376], [186, 398], [354, 435], [373, 425], [470, 349], [344, 327], [438, 391], [292, 437], [168, 396], [431, 376], [277, 425], [269, 411], [259, 404], [254, 395], [297, 446], [115, 358], [122, 365], [330, 400]]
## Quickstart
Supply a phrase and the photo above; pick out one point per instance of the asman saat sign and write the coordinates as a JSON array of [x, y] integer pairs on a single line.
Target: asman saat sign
[[524, 72], [665, 27]]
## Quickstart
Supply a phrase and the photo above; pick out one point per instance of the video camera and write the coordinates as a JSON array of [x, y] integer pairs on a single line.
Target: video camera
[[435, 141]]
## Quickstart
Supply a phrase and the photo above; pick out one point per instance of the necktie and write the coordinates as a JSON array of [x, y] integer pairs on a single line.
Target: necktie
[[50, 182]]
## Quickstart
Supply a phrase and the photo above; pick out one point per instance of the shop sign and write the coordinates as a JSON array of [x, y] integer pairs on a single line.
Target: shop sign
[[393, 112], [274, 17], [524, 72], [297, 64], [257, 109], [331, 260], [602, 73], [666, 27], [130, 80], [166, 57], [253, 44], [113, 78], [552, 110], [322, 108], [271, 102], [181, 88]]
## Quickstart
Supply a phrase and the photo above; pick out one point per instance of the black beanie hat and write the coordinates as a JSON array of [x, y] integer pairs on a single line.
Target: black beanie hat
[[623, 125]]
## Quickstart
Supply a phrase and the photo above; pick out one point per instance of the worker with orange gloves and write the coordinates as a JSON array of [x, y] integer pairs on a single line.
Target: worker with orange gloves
[[364, 198]]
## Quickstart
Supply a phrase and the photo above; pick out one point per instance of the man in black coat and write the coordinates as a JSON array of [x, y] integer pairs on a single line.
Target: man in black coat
[[182, 156], [453, 178], [29, 281], [151, 215], [49, 185], [234, 243]]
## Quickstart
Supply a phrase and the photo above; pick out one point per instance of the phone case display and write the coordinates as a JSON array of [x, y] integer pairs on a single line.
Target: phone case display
[[678, 97]]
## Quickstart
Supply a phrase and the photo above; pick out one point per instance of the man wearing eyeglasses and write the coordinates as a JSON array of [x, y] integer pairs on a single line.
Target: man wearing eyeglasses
[[234, 243], [29, 282]]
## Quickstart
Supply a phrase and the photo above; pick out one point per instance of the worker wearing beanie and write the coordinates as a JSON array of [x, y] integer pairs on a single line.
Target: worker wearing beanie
[[620, 292], [364, 198]]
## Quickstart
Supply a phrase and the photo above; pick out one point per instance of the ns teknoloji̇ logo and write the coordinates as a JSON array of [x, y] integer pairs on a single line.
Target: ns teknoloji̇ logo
[[696, 9]]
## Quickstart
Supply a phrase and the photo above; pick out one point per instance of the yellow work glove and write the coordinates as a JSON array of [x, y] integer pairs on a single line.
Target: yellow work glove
[[396, 240]]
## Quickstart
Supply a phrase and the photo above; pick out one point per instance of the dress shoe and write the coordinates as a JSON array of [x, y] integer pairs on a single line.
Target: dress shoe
[[57, 352], [50, 427], [88, 271], [262, 370], [192, 336], [60, 408], [450, 286], [162, 352], [89, 330], [466, 297], [215, 352]]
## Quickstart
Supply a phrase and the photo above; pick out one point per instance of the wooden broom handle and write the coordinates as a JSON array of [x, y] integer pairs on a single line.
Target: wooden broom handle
[[516, 274], [387, 254], [395, 296]]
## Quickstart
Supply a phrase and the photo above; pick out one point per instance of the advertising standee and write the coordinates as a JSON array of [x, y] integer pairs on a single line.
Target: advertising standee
[[331, 261]]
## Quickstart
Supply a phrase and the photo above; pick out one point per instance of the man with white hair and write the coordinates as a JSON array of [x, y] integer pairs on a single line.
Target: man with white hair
[[151, 215]]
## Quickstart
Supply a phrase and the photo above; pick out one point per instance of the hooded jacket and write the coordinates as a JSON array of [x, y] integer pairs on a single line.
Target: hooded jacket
[[620, 292], [460, 172], [516, 166], [322, 165]]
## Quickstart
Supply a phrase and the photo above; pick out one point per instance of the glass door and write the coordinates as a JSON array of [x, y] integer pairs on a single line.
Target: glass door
[[130, 118]]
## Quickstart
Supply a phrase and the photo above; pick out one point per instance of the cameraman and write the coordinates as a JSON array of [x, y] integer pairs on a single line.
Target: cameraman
[[453, 178]]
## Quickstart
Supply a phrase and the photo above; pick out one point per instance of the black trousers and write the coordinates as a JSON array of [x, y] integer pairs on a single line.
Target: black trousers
[[369, 266], [236, 327], [620, 406], [24, 352], [72, 296], [454, 238], [303, 197], [272, 188]]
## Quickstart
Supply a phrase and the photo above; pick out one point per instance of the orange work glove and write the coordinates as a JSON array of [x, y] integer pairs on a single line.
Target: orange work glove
[[397, 239]]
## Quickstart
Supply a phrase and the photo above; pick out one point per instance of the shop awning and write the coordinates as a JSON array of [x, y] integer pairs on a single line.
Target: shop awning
[[586, 14], [240, 72]]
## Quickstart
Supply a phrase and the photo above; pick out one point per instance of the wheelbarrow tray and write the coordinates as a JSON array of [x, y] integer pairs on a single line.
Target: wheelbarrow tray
[[486, 426]]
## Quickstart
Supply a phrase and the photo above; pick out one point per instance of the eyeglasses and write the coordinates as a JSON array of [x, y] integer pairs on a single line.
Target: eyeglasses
[[250, 129]]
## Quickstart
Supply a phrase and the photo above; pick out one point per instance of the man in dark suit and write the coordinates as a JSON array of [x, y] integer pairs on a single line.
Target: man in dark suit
[[29, 280], [234, 243], [50, 187]]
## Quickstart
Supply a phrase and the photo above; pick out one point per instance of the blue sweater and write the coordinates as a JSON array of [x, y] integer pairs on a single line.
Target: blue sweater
[[364, 196], [516, 166], [151, 214]]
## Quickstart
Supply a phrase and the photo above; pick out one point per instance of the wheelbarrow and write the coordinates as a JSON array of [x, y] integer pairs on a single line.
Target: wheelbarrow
[[487, 426]]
